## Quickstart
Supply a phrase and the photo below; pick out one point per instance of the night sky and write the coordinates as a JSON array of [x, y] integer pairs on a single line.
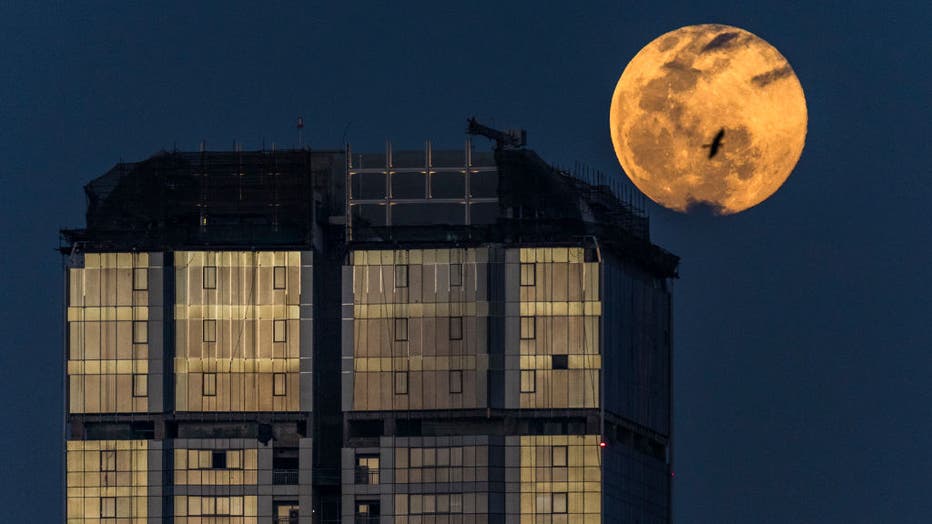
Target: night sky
[[803, 337]]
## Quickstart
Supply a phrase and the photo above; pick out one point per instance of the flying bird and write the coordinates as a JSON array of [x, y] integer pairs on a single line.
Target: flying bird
[[716, 143]]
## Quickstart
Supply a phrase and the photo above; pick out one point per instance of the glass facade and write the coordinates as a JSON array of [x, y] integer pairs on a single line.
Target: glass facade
[[238, 329], [115, 333], [556, 331], [561, 478], [419, 329], [112, 481], [479, 357]]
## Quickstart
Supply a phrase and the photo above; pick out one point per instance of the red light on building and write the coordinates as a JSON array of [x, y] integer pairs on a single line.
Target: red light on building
[[602, 444]]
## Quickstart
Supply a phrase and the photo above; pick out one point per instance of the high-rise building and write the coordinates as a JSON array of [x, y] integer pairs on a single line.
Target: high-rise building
[[325, 336]]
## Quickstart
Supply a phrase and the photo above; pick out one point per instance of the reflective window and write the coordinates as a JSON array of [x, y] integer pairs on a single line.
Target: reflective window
[[367, 469], [401, 382], [140, 279], [456, 381], [278, 384], [528, 380], [280, 331], [528, 274], [456, 328], [209, 280], [401, 329], [108, 460], [559, 456], [401, 275], [140, 385], [107, 507], [559, 503], [209, 330], [528, 327], [210, 384], [140, 332], [279, 277], [456, 275]]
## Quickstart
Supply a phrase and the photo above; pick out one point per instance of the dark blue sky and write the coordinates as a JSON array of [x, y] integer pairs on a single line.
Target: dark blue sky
[[803, 335]]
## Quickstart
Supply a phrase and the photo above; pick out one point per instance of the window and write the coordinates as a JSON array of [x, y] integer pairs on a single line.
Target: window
[[209, 387], [140, 279], [401, 382], [401, 275], [279, 277], [108, 460], [528, 327], [559, 502], [560, 361], [218, 460], [456, 328], [107, 507], [279, 331], [140, 332], [528, 274], [558, 456], [401, 329], [209, 330], [210, 277], [528, 381], [367, 469], [456, 275], [140, 385], [278, 384], [367, 512], [456, 381]]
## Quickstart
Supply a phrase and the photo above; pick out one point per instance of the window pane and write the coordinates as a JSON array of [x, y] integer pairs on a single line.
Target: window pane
[[278, 383], [528, 327], [209, 330], [528, 274], [279, 277], [560, 361], [528, 380], [401, 329], [456, 328], [456, 275], [140, 279], [108, 460], [108, 507], [401, 382], [559, 456], [559, 502], [456, 381], [210, 277], [140, 332], [210, 384], [401, 275], [280, 331], [140, 385]]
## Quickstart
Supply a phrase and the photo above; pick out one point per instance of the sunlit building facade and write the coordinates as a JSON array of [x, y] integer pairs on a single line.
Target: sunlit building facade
[[327, 336]]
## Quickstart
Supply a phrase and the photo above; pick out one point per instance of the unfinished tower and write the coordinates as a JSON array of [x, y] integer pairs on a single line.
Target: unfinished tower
[[326, 336]]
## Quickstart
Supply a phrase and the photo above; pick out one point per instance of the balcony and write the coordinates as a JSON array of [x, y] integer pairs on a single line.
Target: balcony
[[285, 477]]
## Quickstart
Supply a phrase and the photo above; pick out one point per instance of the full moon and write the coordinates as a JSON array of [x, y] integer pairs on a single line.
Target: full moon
[[708, 116]]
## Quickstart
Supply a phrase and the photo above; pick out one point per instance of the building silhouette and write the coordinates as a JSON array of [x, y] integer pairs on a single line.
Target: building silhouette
[[457, 336]]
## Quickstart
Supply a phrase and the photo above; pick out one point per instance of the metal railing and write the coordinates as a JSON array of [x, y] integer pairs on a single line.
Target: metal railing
[[284, 477], [366, 475]]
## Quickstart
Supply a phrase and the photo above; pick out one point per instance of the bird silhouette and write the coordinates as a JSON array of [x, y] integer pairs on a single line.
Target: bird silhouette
[[716, 143]]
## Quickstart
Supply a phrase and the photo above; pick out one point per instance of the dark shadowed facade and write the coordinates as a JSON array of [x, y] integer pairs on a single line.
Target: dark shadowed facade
[[327, 336]]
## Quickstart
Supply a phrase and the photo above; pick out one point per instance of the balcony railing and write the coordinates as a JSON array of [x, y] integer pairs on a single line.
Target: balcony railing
[[284, 477], [365, 475]]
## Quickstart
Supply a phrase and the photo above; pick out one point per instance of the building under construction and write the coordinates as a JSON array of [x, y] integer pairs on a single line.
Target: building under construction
[[458, 336]]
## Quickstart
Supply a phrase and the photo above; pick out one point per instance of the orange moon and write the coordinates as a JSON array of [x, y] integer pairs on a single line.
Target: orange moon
[[684, 88]]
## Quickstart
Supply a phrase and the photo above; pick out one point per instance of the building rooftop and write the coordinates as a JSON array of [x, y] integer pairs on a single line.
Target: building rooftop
[[286, 198]]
